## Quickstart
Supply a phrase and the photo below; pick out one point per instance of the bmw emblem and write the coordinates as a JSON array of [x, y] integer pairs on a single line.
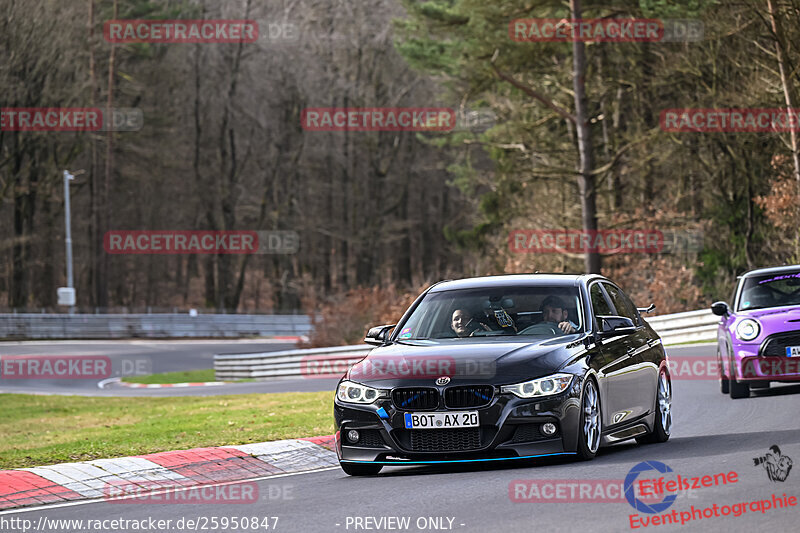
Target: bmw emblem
[[444, 380]]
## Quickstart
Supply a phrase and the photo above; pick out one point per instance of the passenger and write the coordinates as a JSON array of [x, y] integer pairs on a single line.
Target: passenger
[[464, 324], [554, 311]]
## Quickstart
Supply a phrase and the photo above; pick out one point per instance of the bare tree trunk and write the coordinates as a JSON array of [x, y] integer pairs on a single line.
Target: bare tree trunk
[[780, 42], [209, 262], [95, 237], [586, 180], [19, 250], [102, 274]]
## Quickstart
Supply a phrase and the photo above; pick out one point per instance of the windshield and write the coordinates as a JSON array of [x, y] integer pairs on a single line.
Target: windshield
[[542, 311], [770, 290]]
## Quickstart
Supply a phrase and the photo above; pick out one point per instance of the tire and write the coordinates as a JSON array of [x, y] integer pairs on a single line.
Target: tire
[[360, 469], [662, 423], [591, 421], [724, 384], [738, 390]]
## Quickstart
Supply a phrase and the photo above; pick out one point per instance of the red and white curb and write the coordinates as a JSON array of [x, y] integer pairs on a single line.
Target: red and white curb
[[183, 468], [168, 385], [118, 381]]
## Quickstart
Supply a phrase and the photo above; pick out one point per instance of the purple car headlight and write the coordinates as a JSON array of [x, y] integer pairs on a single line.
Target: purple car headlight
[[748, 329]]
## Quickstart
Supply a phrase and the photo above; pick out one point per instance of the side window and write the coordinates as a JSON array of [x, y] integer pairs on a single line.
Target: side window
[[622, 303], [599, 303]]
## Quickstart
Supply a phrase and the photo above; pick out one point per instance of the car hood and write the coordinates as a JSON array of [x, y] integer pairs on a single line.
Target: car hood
[[495, 360], [775, 319]]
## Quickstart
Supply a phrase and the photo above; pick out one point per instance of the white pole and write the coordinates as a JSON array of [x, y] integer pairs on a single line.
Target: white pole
[[67, 178]]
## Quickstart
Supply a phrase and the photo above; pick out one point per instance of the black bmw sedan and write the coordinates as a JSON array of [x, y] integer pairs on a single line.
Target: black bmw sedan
[[505, 367]]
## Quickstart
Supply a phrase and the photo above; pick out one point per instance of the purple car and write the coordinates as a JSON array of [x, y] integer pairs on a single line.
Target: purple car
[[758, 341]]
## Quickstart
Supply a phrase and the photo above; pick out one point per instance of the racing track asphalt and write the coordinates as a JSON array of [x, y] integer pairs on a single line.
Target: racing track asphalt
[[711, 434]]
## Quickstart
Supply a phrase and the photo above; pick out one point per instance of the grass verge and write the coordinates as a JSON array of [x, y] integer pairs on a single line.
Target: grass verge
[[40, 430]]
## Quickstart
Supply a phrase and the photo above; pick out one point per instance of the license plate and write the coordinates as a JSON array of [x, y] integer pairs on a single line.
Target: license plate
[[793, 351], [457, 419]]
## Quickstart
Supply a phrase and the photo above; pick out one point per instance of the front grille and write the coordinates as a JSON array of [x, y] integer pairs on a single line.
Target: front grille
[[445, 440], [528, 433], [473, 396], [421, 398], [775, 345], [369, 438]]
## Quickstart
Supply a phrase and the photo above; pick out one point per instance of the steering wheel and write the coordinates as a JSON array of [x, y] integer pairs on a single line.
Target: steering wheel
[[788, 298], [543, 328]]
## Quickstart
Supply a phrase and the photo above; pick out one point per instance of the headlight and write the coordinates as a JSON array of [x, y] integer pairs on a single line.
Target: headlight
[[540, 387], [352, 392], [748, 329]]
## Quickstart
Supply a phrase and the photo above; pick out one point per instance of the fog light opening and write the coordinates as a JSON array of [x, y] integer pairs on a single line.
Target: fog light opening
[[549, 428], [353, 435]]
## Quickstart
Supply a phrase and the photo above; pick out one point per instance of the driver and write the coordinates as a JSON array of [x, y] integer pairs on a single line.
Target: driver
[[554, 311], [464, 324]]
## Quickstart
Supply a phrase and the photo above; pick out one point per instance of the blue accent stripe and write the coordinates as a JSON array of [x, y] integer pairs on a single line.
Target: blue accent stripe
[[456, 460], [409, 400]]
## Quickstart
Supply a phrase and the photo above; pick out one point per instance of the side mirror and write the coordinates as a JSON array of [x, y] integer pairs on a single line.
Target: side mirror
[[615, 326], [720, 309], [378, 335]]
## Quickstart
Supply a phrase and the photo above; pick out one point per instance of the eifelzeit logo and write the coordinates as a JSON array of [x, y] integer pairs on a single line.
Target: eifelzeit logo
[[777, 466]]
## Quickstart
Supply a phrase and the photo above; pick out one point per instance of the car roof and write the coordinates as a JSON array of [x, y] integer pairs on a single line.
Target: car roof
[[770, 270], [515, 280]]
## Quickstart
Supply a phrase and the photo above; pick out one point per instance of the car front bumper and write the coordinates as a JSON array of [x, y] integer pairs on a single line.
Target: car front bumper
[[510, 428], [755, 362], [757, 368]]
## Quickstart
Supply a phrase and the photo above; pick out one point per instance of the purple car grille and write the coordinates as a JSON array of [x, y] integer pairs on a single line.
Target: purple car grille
[[775, 345]]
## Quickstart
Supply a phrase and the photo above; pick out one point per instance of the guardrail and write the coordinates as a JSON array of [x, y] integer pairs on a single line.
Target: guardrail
[[310, 363], [125, 326], [692, 326]]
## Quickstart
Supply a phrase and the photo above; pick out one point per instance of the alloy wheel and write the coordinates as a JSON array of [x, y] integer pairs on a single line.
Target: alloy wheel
[[665, 402], [591, 418]]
